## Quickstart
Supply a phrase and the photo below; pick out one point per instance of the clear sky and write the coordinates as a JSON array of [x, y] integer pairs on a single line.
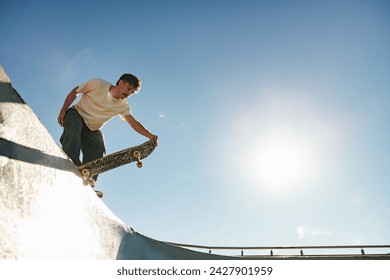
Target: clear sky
[[273, 116]]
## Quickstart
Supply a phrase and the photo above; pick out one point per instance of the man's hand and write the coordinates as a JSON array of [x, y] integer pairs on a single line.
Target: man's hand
[[154, 138]]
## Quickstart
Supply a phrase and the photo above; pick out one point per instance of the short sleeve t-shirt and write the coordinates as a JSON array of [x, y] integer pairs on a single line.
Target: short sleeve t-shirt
[[97, 106]]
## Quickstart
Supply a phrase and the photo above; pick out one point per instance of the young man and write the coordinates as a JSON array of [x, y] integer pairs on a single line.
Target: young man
[[100, 102]]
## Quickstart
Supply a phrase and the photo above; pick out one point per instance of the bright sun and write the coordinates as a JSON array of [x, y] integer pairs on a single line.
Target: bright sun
[[278, 165]]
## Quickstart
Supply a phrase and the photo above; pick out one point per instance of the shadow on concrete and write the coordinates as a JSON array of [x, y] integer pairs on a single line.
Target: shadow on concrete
[[9, 94], [16, 151]]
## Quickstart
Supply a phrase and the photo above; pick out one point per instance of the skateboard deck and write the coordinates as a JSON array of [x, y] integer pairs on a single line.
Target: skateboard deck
[[114, 160]]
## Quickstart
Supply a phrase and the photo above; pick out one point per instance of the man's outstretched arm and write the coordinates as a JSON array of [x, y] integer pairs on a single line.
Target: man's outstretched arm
[[138, 127]]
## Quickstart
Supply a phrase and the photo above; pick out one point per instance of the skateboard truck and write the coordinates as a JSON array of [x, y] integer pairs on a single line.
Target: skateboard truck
[[137, 155], [90, 181], [87, 175]]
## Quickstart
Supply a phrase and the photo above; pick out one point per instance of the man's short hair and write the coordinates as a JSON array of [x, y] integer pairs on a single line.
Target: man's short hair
[[132, 80]]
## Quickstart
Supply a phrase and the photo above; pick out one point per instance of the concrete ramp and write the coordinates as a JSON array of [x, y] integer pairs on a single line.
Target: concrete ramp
[[46, 211]]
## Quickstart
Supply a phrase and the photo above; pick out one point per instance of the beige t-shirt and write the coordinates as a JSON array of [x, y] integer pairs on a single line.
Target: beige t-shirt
[[97, 106]]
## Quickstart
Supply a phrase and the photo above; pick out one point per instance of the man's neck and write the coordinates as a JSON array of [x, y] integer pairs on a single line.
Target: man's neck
[[114, 92]]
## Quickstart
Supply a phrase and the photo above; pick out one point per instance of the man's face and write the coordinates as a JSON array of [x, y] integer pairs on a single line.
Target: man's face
[[125, 89]]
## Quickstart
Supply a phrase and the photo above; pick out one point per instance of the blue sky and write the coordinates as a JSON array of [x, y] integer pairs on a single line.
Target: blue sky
[[273, 116]]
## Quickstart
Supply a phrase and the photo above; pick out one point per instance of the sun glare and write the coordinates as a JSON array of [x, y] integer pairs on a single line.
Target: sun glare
[[278, 165]]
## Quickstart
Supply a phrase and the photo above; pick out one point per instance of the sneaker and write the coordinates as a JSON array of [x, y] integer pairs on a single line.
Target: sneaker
[[99, 193]]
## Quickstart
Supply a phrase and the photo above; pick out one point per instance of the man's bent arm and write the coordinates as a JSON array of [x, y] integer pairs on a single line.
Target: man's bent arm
[[68, 101]]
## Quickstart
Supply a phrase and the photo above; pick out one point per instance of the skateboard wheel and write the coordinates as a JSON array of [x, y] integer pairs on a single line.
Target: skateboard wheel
[[137, 154], [139, 164], [91, 182], [85, 172]]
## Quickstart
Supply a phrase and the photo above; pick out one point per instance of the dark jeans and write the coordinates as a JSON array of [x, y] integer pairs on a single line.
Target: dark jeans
[[77, 137]]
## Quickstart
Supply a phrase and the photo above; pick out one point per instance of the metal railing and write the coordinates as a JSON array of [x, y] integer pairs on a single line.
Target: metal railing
[[299, 251]]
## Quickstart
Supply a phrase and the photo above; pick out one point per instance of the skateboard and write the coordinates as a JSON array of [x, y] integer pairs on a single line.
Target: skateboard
[[114, 160]]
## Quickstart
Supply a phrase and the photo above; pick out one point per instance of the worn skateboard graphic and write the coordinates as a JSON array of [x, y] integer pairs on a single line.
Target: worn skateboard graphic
[[114, 160]]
